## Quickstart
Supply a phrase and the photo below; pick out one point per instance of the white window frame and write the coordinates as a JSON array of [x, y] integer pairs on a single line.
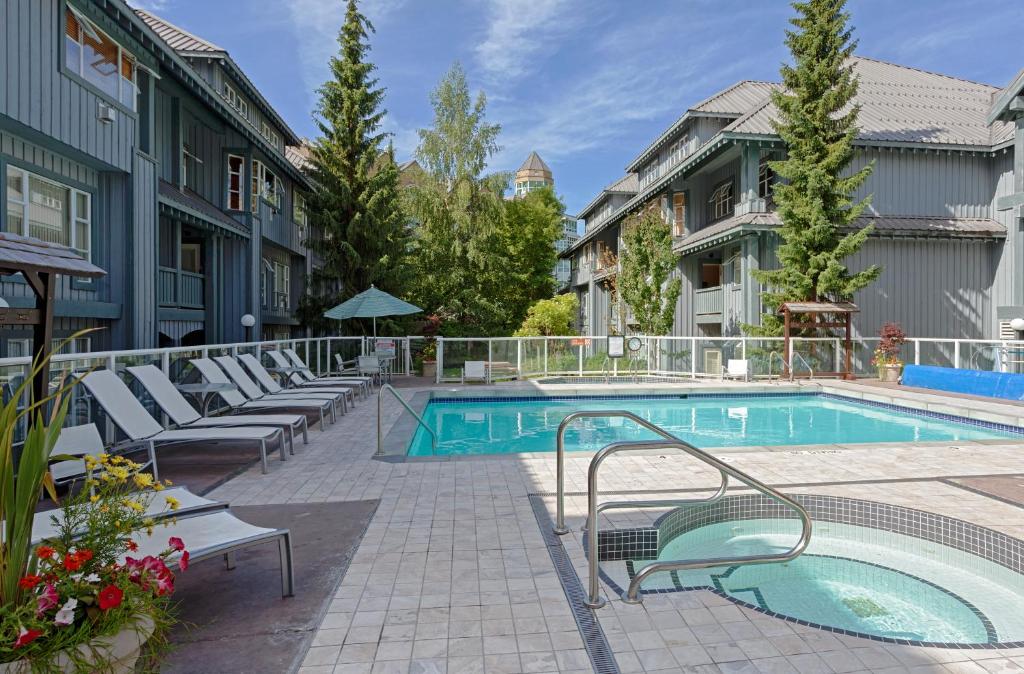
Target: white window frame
[[241, 182], [650, 172], [282, 285], [75, 218], [721, 200], [85, 23], [765, 178]]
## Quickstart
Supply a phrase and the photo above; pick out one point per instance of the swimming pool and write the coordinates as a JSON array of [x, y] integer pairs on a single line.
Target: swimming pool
[[516, 425]]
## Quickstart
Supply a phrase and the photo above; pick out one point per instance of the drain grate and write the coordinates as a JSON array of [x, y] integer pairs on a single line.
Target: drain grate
[[594, 640]]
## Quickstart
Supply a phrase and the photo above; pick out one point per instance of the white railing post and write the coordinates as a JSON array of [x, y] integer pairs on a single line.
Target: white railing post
[[917, 351], [693, 357], [956, 353], [165, 363], [581, 360], [743, 348], [490, 360], [440, 359], [546, 356], [519, 358]]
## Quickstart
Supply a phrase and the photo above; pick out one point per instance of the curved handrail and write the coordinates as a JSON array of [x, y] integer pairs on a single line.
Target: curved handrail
[[796, 355], [632, 595], [788, 365], [560, 527], [782, 362], [419, 419]]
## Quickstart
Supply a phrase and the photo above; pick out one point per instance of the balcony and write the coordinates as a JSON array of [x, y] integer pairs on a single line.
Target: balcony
[[180, 289], [709, 301]]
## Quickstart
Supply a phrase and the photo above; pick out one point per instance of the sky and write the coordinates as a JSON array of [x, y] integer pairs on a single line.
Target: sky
[[586, 83]]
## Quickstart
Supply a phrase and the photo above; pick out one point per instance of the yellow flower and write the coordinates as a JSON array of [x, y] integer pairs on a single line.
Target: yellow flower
[[158, 487], [135, 505], [173, 502], [143, 480], [91, 483], [119, 472], [94, 498], [168, 483], [104, 457]]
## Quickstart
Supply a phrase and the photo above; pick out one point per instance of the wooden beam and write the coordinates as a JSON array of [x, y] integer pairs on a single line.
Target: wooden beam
[[42, 334], [19, 316]]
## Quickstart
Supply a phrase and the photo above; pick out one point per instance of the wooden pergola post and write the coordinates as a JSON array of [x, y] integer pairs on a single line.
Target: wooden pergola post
[[814, 310]]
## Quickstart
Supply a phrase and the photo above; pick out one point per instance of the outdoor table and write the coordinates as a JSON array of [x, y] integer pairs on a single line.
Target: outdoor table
[[284, 374], [204, 393], [385, 366]]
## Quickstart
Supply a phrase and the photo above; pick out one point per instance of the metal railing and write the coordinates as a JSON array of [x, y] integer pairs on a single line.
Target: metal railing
[[796, 355], [560, 527], [632, 594], [788, 366], [380, 423]]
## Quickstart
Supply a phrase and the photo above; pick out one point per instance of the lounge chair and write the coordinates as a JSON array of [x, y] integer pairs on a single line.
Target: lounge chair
[[475, 370], [251, 389], [267, 381], [80, 441], [215, 534], [184, 415], [240, 398], [305, 376], [131, 417], [737, 369]]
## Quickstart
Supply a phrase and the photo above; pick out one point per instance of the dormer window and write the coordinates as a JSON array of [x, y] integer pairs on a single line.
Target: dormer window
[[678, 150], [721, 201], [765, 178], [649, 173], [99, 60], [236, 101]]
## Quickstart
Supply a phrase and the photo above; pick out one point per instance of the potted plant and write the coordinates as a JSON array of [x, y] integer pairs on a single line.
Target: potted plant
[[887, 355], [428, 358], [79, 601]]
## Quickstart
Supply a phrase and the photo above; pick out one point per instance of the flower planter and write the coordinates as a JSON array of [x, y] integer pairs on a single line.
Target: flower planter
[[890, 373], [115, 653], [430, 369]]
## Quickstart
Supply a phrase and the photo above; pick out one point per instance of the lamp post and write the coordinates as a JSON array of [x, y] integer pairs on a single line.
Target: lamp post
[[248, 320]]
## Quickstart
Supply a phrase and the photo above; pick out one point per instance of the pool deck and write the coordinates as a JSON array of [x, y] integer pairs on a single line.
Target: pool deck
[[454, 574]]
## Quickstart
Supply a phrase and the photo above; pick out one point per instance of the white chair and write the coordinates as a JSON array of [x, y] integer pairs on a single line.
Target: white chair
[[737, 369], [170, 400], [240, 403], [475, 370], [80, 441], [131, 417], [251, 389], [304, 377], [369, 366], [267, 381], [307, 373]]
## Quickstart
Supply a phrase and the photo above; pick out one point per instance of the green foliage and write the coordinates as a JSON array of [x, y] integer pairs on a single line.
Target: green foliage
[[477, 260], [550, 318], [645, 282], [355, 204], [818, 125]]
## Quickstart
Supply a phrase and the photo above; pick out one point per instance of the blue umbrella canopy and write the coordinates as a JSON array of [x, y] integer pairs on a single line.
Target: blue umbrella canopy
[[371, 304]]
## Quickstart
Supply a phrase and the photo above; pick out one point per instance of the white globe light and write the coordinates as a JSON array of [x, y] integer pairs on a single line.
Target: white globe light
[[248, 320], [1017, 324]]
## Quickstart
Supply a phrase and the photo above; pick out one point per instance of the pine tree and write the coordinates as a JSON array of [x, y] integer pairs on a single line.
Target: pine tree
[[818, 125], [355, 202]]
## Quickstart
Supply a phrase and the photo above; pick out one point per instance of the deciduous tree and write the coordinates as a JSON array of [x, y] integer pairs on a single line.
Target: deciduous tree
[[645, 281]]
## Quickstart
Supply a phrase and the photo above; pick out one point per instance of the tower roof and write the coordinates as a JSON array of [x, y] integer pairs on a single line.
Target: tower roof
[[534, 163]]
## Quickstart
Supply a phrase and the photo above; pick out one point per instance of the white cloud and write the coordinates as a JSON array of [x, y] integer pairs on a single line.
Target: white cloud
[[520, 35], [150, 5]]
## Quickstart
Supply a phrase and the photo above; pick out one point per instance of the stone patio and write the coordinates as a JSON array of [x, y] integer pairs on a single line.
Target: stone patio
[[453, 573]]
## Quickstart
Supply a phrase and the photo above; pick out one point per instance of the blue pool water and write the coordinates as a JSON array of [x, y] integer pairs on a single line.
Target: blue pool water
[[859, 579], [506, 426]]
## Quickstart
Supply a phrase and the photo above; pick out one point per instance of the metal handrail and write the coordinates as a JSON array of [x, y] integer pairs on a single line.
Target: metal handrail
[[782, 362], [632, 595], [560, 527], [419, 419], [606, 368], [788, 365], [796, 355]]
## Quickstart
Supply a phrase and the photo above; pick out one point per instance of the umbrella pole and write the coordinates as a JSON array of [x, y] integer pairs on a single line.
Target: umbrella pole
[[375, 327]]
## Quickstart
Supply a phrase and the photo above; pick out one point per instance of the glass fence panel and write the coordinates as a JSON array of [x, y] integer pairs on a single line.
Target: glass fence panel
[[564, 355], [12, 377], [457, 352], [811, 356], [713, 354], [937, 353], [673, 355], [765, 355], [533, 356], [504, 359]]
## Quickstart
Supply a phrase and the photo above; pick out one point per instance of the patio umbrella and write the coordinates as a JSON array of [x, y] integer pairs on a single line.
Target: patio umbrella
[[371, 304]]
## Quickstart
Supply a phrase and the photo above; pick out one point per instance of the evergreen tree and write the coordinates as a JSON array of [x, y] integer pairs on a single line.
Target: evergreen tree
[[818, 125], [355, 204], [645, 279]]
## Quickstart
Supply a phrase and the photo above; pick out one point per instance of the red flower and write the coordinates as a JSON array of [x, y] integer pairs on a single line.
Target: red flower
[[132, 546], [110, 597], [29, 582], [176, 543], [26, 637], [183, 562], [44, 552], [75, 560]]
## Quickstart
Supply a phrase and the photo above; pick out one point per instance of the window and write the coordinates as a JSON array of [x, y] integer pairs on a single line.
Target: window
[[236, 101], [190, 164], [299, 215], [269, 134], [99, 60], [235, 164], [264, 184], [765, 178], [721, 201], [282, 285], [49, 211], [679, 214], [678, 150], [649, 173], [21, 348], [268, 272], [192, 257]]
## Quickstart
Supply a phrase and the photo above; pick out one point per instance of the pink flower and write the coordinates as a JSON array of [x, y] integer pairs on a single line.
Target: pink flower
[[176, 543], [47, 599], [183, 562], [26, 637]]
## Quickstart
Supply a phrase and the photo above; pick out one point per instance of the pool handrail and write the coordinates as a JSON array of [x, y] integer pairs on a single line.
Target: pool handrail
[[419, 419], [560, 527], [632, 594], [787, 366]]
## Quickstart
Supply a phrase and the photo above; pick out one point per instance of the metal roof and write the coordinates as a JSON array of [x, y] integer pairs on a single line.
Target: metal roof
[[26, 253], [534, 163], [192, 205], [905, 105], [178, 38], [820, 307], [627, 184]]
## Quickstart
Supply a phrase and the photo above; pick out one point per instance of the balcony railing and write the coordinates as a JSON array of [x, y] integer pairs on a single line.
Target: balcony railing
[[184, 289], [709, 301]]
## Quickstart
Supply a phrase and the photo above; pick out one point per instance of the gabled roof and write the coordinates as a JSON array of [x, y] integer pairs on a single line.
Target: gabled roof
[[26, 253], [900, 104], [1002, 99], [627, 184], [534, 163], [178, 38], [731, 102]]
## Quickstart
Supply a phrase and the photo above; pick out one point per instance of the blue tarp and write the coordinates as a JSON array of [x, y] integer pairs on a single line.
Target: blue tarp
[[974, 382]]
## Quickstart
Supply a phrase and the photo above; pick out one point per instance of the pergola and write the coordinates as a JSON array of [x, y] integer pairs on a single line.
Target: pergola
[[840, 313], [39, 262]]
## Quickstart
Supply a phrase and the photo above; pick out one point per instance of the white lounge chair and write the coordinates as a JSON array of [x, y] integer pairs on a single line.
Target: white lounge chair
[[305, 376], [131, 417], [475, 370], [267, 381], [251, 389], [184, 415], [213, 535], [737, 369], [240, 398], [80, 441]]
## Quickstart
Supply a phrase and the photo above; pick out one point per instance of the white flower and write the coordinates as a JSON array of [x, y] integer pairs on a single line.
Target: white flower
[[66, 614], [92, 578]]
